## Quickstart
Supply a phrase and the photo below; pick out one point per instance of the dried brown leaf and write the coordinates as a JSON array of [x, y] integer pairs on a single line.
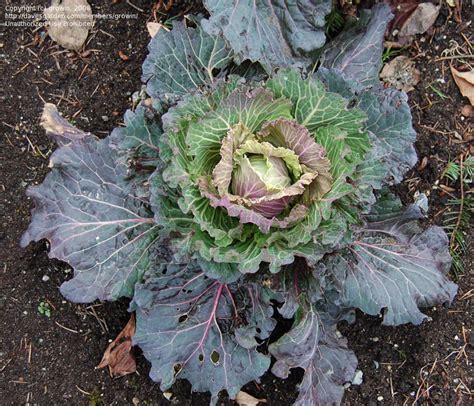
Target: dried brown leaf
[[420, 20], [118, 356], [423, 164], [402, 9], [468, 111], [401, 73], [68, 22], [153, 28], [465, 82], [244, 399]]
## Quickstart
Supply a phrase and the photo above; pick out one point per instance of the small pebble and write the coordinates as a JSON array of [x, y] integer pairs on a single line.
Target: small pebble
[[167, 395], [135, 401], [358, 377], [105, 118], [421, 201], [456, 337], [45, 278], [377, 365], [380, 398]]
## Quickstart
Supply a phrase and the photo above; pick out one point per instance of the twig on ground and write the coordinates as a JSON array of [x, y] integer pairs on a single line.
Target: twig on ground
[[6, 364], [66, 328], [102, 323], [21, 69], [467, 295], [445, 58], [83, 391], [134, 6]]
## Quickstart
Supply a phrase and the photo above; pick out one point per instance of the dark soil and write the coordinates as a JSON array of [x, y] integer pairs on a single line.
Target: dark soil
[[50, 360]]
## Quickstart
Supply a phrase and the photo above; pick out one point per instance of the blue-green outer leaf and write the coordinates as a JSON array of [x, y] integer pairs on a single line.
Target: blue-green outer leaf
[[389, 123], [391, 131], [138, 146], [183, 60], [275, 33], [312, 344], [395, 267], [141, 134], [186, 324], [92, 222], [357, 51]]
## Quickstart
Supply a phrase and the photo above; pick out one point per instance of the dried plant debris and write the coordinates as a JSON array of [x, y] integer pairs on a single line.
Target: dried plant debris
[[402, 9], [59, 128], [410, 18], [118, 356], [420, 20], [468, 110], [244, 399], [465, 83], [401, 73], [153, 28], [68, 22]]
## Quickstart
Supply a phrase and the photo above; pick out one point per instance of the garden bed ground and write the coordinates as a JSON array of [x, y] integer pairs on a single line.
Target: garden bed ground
[[50, 360]]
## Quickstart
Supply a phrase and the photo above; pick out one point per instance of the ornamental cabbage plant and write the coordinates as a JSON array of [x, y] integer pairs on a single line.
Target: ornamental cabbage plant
[[248, 182]]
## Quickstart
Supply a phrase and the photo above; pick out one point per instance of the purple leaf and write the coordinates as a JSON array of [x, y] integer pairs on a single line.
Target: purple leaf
[[357, 52], [91, 222], [312, 344], [395, 267], [186, 323]]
